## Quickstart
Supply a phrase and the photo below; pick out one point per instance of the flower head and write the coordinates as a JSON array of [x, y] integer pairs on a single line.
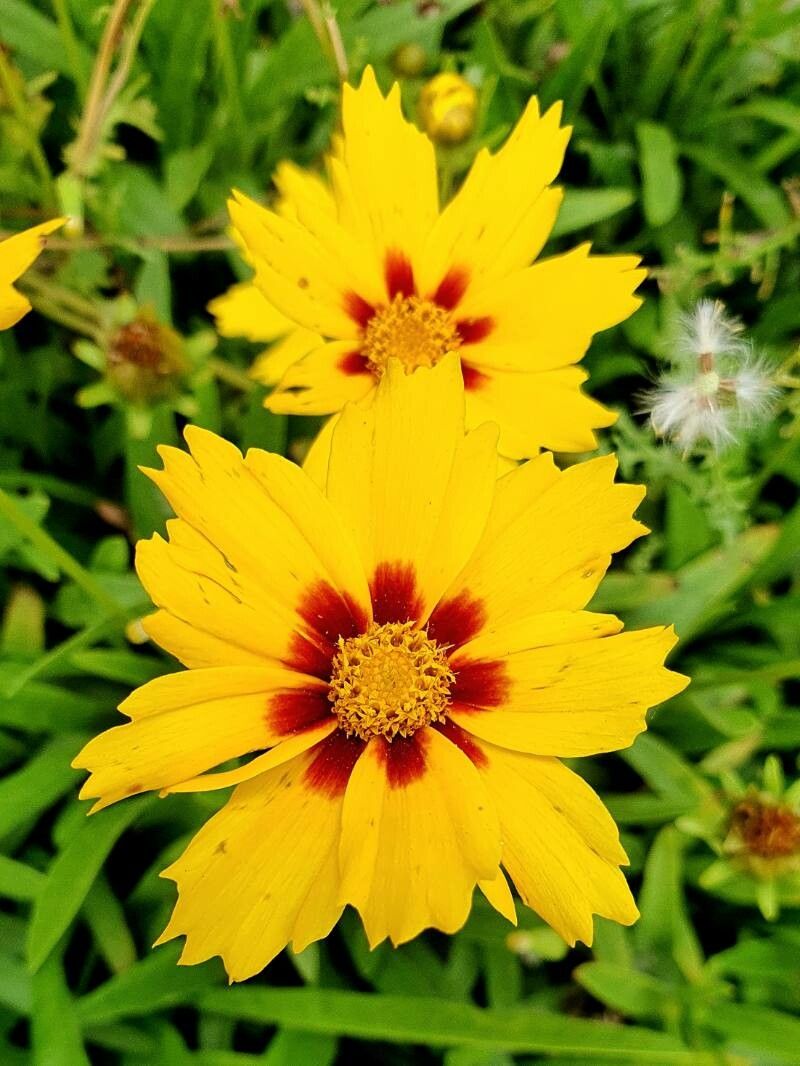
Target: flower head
[[401, 647], [716, 386], [372, 266], [17, 253]]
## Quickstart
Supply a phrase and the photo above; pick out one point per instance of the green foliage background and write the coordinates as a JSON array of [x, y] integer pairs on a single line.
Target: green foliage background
[[687, 150]]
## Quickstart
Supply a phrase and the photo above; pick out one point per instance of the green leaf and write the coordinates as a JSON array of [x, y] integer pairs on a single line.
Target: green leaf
[[72, 873], [45, 778], [440, 1023], [760, 195], [154, 983], [19, 881], [756, 1030], [662, 181], [56, 1033], [634, 994], [586, 207], [25, 30]]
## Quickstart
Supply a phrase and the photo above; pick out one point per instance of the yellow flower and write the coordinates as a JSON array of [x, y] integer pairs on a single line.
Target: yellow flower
[[244, 311], [16, 255], [404, 651], [375, 268]]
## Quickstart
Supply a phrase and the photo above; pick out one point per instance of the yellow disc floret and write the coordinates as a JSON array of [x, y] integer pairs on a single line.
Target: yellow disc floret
[[415, 331], [391, 679]]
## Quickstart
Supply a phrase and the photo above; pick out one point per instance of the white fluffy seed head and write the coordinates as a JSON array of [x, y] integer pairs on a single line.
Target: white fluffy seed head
[[755, 389], [709, 330], [686, 412]]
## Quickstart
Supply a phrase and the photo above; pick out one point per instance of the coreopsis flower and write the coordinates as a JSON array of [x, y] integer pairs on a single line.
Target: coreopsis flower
[[17, 253], [716, 386], [377, 270], [402, 650]]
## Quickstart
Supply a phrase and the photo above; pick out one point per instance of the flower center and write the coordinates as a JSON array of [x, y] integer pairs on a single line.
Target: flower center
[[415, 331], [391, 679], [770, 832]]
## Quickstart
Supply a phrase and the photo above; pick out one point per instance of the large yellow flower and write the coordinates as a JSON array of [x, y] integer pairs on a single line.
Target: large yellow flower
[[16, 255], [403, 649], [373, 267]]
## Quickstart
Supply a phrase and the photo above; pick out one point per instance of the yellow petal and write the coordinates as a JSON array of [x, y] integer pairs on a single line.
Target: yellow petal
[[413, 489], [499, 895], [303, 194], [244, 311], [548, 540], [568, 699], [385, 180], [182, 724], [270, 366], [418, 833], [299, 276], [17, 253], [560, 845], [281, 753], [321, 383], [538, 410], [255, 543], [553, 308], [262, 872], [503, 213]]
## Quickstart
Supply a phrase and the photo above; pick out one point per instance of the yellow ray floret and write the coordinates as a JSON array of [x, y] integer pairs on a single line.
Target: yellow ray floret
[[375, 269], [399, 654], [17, 253]]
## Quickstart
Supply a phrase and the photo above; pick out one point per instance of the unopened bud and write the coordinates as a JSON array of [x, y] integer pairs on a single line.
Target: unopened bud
[[447, 107], [409, 60]]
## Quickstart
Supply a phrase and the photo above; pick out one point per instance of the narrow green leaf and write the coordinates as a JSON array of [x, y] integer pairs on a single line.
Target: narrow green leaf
[[71, 876], [441, 1023], [17, 880], [56, 1033], [154, 983], [24, 795], [760, 195], [662, 181], [586, 207]]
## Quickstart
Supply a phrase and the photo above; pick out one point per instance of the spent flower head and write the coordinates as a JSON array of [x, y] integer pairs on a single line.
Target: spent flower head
[[716, 386]]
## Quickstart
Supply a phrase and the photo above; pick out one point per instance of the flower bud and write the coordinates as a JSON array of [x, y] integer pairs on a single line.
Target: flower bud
[[143, 359], [447, 107], [409, 60]]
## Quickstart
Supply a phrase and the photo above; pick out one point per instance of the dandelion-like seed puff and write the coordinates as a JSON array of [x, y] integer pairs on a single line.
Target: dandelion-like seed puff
[[368, 267], [716, 387], [401, 646]]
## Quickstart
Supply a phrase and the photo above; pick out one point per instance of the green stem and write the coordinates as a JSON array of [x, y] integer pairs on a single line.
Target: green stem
[[230, 374], [39, 538], [67, 31], [52, 486]]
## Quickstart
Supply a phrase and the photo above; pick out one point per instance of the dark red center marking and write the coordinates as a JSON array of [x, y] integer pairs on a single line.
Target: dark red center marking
[[451, 288], [399, 275], [329, 615], [358, 308], [296, 710], [473, 330], [332, 763], [457, 620], [395, 595], [354, 363], [463, 740], [479, 685], [403, 759], [474, 379]]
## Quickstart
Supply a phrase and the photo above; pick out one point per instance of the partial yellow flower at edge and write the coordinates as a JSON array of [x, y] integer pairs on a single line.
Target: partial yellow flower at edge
[[378, 271], [405, 655], [17, 253], [244, 311]]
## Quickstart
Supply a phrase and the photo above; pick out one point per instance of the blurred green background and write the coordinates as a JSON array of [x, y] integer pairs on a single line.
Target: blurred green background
[[686, 149]]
